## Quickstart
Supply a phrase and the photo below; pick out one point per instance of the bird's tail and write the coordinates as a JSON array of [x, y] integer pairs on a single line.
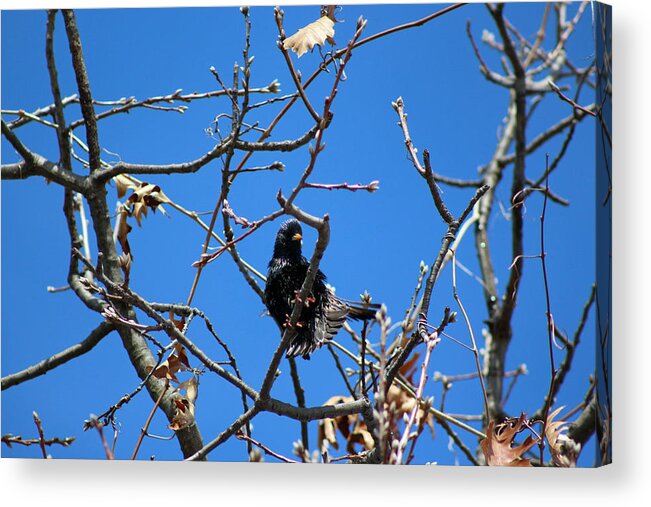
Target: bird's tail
[[358, 310]]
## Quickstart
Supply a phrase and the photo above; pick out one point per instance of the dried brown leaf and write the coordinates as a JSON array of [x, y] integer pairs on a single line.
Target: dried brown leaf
[[185, 405], [178, 323], [163, 371], [183, 417], [182, 404], [327, 431], [327, 428], [353, 429], [404, 403], [311, 35], [123, 230], [182, 355], [177, 361], [360, 435], [408, 369], [497, 445]]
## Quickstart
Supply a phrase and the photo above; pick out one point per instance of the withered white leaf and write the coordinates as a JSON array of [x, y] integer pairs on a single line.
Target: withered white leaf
[[191, 387], [311, 35], [146, 196], [139, 209], [123, 183], [125, 261], [564, 451]]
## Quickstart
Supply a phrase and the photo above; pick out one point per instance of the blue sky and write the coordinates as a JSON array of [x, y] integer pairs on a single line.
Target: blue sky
[[377, 240]]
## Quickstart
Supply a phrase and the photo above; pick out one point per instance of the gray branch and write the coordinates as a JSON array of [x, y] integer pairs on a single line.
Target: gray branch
[[315, 413], [289, 145], [548, 134], [34, 164], [586, 424], [85, 96], [42, 111], [41, 368], [181, 168]]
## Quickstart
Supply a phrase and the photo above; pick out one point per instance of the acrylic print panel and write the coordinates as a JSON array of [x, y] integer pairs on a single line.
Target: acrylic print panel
[[173, 193]]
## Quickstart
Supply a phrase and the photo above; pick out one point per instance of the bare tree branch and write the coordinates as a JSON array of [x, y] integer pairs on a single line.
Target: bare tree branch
[[585, 425], [289, 145], [36, 165], [49, 364], [300, 399], [40, 112], [571, 346], [85, 96], [278, 14], [182, 168], [548, 134]]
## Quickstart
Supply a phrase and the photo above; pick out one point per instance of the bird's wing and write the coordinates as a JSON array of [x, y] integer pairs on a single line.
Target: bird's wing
[[300, 348], [330, 320]]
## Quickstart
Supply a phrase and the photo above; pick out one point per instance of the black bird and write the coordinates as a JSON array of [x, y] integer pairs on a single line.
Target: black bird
[[323, 313]]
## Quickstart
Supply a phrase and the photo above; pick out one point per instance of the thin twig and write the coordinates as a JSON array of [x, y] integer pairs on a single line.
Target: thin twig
[[432, 341], [300, 399], [278, 14], [474, 349], [41, 437], [144, 429], [406, 26], [340, 369], [95, 423], [10, 440], [540, 36], [371, 187], [42, 367], [550, 319], [570, 101], [269, 452]]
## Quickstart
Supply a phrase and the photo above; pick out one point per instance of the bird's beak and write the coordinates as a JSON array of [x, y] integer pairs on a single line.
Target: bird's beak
[[297, 237]]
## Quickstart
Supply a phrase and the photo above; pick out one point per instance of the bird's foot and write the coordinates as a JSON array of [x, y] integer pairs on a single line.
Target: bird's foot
[[288, 322], [308, 300]]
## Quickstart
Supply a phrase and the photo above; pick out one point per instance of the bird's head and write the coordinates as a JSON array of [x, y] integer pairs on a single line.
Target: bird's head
[[289, 239]]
